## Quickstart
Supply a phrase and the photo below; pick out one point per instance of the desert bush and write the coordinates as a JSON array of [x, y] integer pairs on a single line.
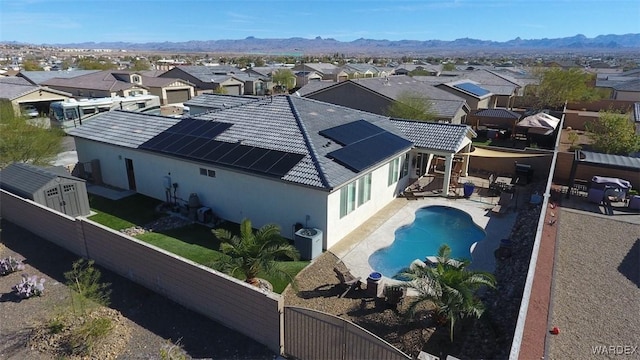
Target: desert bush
[[10, 265], [29, 286], [84, 282], [171, 351], [84, 338]]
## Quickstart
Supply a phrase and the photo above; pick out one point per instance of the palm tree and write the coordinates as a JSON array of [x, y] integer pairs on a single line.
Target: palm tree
[[283, 78], [252, 252], [449, 286]]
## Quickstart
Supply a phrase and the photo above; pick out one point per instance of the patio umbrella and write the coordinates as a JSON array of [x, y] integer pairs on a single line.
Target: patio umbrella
[[540, 123]]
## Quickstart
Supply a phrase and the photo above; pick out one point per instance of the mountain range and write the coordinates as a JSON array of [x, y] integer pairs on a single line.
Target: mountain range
[[318, 45]]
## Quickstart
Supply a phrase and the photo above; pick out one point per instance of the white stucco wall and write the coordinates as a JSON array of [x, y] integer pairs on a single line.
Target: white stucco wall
[[381, 195], [231, 195]]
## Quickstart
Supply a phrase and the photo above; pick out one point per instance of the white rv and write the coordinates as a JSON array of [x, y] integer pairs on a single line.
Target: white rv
[[71, 113]]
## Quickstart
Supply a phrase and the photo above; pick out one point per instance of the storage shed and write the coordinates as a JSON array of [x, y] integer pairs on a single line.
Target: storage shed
[[52, 187]]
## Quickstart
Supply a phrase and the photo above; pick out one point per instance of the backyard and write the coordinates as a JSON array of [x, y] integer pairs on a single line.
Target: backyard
[[137, 216]]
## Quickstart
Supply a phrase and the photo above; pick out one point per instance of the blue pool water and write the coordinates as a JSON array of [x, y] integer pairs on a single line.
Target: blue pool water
[[432, 227]]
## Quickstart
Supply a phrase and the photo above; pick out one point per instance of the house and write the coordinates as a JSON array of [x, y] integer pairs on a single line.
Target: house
[[623, 86], [20, 92], [407, 69], [123, 83], [38, 77], [209, 79], [361, 71], [52, 187], [282, 159], [377, 94], [327, 71], [474, 93]]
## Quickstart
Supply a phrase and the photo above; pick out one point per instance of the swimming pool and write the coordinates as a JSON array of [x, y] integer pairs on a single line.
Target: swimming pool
[[432, 227]]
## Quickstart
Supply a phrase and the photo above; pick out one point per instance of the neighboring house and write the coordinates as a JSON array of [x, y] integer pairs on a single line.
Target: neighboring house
[[306, 77], [494, 119], [20, 92], [405, 69], [282, 159], [377, 94], [209, 79], [474, 93], [361, 71], [327, 71], [623, 86], [110, 83], [216, 102], [38, 77]]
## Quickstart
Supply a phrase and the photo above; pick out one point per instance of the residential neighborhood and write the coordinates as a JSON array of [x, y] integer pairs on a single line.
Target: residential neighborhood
[[438, 200]]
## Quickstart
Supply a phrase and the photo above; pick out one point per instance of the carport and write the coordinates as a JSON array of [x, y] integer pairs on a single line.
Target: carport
[[606, 161], [21, 92]]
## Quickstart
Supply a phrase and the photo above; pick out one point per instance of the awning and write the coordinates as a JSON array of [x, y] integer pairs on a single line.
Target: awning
[[481, 152], [540, 123]]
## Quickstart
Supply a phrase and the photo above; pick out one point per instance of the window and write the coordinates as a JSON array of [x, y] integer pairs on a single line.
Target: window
[[355, 194], [405, 166], [207, 172], [394, 169], [347, 199], [364, 189]]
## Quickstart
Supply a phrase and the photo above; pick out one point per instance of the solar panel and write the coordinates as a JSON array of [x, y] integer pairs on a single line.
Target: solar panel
[[177, 145], [363, 154], [234, 155], [195, 146], [151, 143], [267, 161], [220, 151], [472, 88], [352, 132], [285, 164], [206, 148], [212, 129], [250, 157], [166, 141]]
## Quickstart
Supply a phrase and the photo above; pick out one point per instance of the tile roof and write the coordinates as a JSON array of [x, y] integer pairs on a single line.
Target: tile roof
[[109, 80], [37, 77], [455, 85], [313, 86], [444, 104], [284, 123], [210, 74], [220, 101], [434, 136], [14, 87], [498, 113]]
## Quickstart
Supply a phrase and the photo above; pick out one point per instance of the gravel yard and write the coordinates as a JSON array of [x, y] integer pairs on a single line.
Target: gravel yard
[[145, 320], [596, 294]]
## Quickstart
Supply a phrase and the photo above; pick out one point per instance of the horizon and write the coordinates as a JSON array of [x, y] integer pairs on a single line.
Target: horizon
[[72, 21]]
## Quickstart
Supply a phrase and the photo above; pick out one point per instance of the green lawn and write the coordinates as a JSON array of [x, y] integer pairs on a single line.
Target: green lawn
[[194, 242]]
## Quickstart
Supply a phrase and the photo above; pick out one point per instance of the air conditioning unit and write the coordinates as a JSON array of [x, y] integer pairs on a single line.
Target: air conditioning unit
[[308, 241]]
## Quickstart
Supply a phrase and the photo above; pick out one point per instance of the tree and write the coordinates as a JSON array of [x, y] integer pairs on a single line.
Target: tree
[[411, 105], [22, 141], [252, 252], [557, 86], [449, 286], [283, 78], [140, 65], [448, 66], [96, 64], [613, 133], [31, 65]]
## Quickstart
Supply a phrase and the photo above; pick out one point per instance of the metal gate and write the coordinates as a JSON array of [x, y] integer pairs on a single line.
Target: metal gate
[[310, 334]]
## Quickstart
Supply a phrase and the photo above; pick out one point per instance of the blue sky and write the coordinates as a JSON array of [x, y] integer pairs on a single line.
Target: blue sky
[[48, 21]]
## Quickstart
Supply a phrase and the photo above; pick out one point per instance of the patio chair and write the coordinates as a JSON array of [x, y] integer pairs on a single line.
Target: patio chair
[[504, 203], [393, 296], [347, 281]]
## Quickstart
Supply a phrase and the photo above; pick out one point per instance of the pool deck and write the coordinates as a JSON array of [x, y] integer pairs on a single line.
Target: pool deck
[[378, 232]]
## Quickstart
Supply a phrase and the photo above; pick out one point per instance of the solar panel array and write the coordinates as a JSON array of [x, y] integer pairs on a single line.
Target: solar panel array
[[365, 144], [472, 88], [194, 139]]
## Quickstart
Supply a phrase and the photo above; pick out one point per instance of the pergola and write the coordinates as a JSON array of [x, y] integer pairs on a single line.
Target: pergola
[[588, 158]]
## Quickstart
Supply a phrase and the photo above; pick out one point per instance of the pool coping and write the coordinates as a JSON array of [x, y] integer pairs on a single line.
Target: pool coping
[[378, 232]]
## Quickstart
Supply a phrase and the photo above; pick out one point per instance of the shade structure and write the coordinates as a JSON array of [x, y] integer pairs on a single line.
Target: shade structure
[[540, 123], [481, 152]]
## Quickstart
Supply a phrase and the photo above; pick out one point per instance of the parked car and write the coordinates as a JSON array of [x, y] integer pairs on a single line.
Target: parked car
[[29, 110]]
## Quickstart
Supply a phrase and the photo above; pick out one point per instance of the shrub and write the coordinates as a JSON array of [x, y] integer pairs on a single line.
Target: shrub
[[84, 281], [29, 286], [83, 339], [171, 351], [10, 265]]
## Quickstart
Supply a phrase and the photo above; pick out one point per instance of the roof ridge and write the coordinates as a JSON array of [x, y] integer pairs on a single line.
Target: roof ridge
[[312, 151]]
